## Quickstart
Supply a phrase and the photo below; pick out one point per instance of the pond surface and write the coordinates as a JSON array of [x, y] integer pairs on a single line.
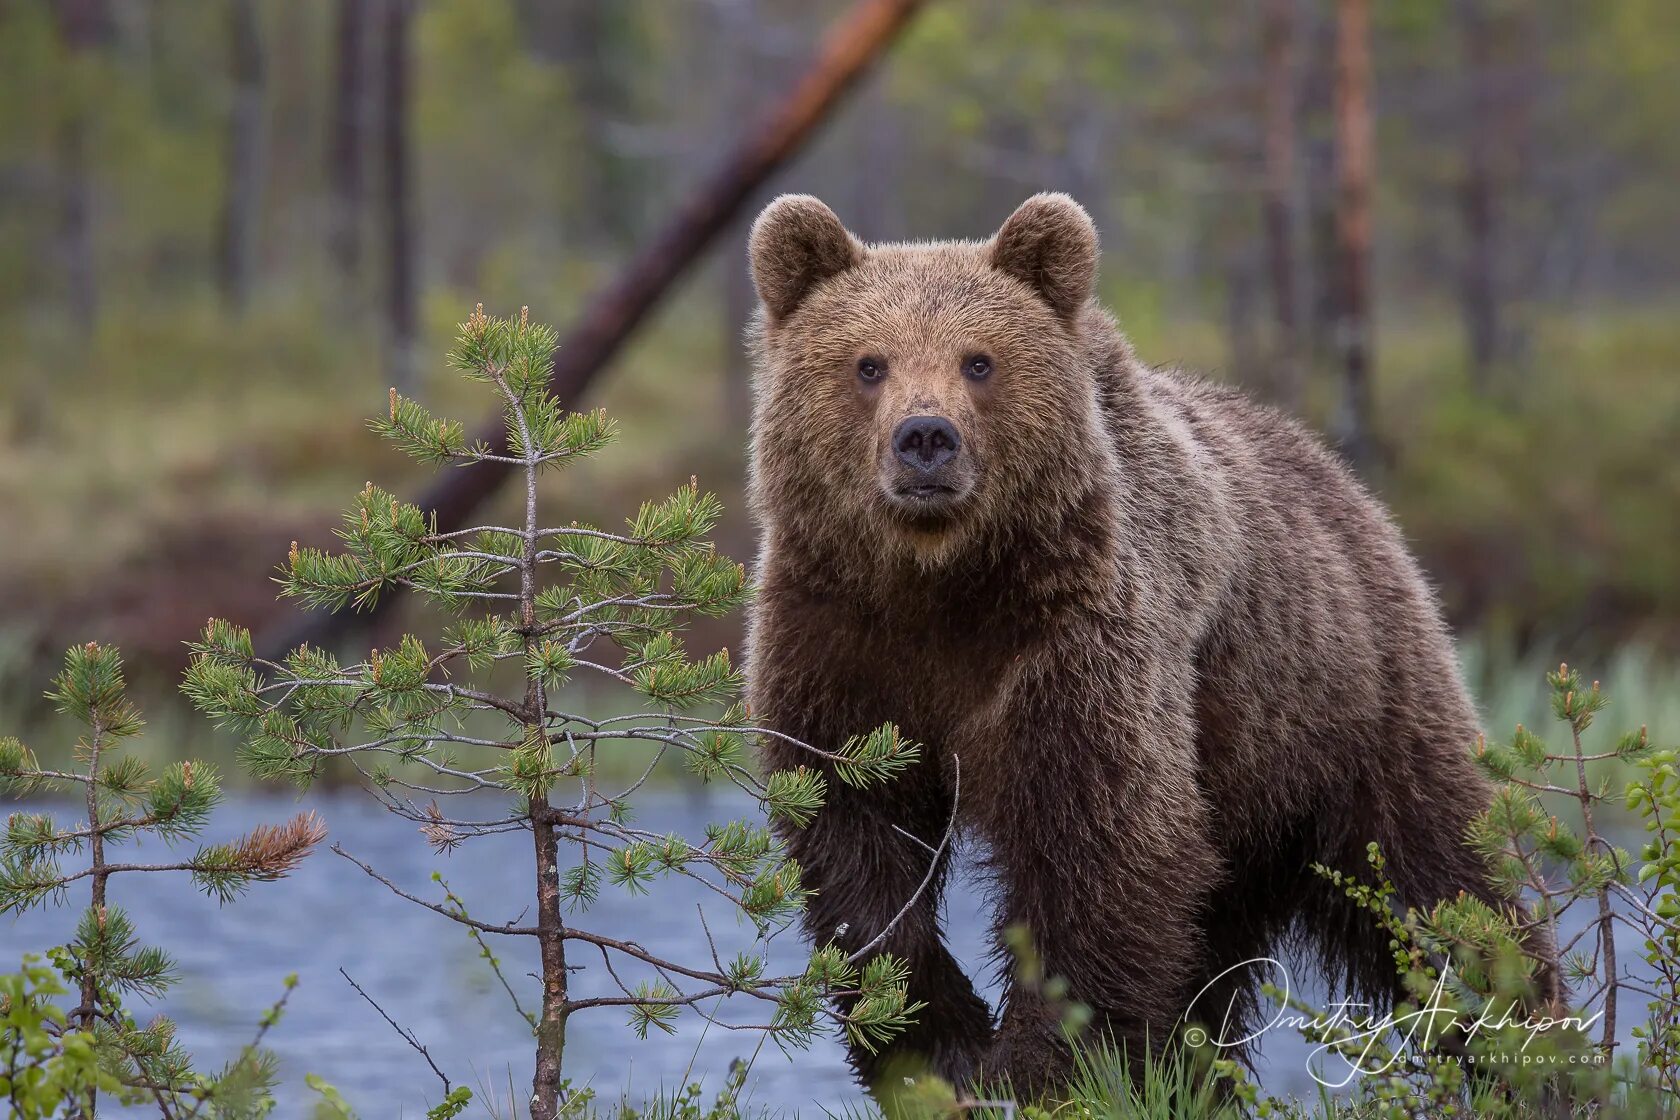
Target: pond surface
[[427, 974]]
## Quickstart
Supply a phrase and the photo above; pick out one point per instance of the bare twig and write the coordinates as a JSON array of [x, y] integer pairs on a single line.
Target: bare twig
[[932, 871], [406, 1035], [510, 928]]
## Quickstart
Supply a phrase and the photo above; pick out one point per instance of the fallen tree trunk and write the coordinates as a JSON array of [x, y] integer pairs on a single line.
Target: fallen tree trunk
[[613, 315]]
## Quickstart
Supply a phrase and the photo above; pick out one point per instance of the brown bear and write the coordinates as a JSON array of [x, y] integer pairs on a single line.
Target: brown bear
[[1164, 643]]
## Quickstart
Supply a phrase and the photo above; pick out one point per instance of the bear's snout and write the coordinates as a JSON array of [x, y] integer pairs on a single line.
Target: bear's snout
[[928, 475], [925, 443]]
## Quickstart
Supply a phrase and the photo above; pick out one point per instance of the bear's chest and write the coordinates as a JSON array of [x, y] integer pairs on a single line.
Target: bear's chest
[[931, 677]]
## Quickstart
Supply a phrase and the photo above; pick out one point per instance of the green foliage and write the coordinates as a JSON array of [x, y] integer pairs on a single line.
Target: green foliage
[[60, 1063], [794, 795], [877, 755], [332, 1105], [1477, 1034], [1515, 536], [1104, 1086], [45, 1067], [535, 606], [685, 1103], [1030, 976], [56, 1062], [1655, 798]]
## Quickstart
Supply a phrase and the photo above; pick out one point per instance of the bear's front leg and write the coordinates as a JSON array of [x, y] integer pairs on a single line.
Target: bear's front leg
[[1100, 840], [864, 873]]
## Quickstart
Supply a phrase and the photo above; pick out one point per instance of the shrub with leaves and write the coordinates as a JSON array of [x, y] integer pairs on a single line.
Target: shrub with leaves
[[1556, 866], [1653, 910], [59, 1062], [1477, 1036], [534, 606]]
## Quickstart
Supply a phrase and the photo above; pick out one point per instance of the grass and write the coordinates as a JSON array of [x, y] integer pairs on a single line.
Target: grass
[[1175, 1088], [160, 420], [1165, 1089], [1512, 690]]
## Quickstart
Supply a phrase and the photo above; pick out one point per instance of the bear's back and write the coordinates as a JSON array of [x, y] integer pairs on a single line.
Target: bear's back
[[1325, 624], [1287, 493]]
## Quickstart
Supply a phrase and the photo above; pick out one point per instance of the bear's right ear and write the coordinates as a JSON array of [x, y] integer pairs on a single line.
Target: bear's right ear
[[796, 243]]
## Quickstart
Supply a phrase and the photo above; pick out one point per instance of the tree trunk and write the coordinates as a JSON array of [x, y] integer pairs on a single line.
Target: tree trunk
[[1354, 180], [551, 946], [75, 220], [1500, 72], [1241, 288], [401, 291], [1479, 279], [84, 25], [1280, 108], [242, 202], [347, 150], [1318, 173], [87, 1015]]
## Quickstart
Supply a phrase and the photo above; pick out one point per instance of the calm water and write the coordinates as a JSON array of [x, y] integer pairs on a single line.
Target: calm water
[[427, 974]]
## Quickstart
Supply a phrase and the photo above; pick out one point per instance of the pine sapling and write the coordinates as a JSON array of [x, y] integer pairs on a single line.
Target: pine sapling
[[534, 606], [1537, 857], [105, 964]]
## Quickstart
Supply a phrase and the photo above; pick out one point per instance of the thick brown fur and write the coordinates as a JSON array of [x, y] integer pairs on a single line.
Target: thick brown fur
[[1174, 648]]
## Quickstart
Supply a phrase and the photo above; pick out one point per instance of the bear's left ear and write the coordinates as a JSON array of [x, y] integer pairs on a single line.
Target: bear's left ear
[[796, 243], [1050, 244]]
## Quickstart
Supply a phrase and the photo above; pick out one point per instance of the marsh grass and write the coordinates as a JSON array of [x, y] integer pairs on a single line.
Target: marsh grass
[[1169, 1088]]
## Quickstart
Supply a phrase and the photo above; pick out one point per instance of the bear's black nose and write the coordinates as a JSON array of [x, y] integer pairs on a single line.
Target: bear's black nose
[[926, 442]]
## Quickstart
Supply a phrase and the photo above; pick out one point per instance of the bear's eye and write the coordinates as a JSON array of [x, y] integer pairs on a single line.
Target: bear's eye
[[977, 368], [871, 370]]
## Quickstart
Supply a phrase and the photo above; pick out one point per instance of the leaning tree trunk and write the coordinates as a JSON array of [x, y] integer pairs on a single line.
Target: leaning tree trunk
[[1354, 176], [614, 313]]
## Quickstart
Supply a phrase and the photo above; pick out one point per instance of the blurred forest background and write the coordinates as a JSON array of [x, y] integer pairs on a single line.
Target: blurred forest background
[[226, 226]]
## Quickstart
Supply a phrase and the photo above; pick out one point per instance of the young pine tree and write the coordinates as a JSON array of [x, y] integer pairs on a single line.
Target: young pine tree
[[1551, 865], [55, 1062], [479, 711]]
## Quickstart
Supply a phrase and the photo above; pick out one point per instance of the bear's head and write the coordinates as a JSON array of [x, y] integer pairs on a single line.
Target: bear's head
[[921, 397]]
